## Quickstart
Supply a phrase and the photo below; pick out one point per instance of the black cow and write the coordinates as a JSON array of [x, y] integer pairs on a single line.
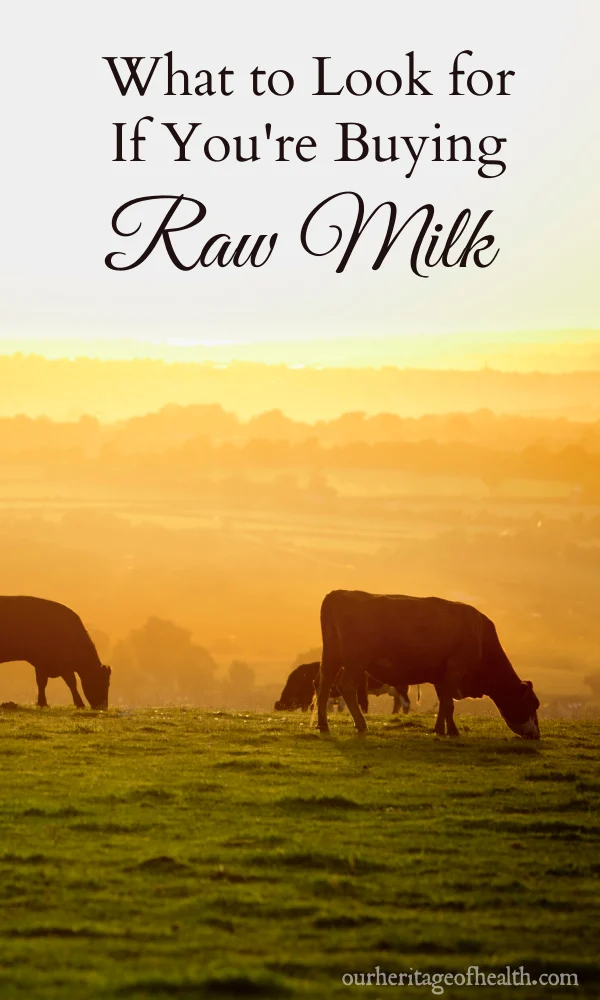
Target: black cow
[[300, 686], [299, 689], [53, 639], [417, 640]]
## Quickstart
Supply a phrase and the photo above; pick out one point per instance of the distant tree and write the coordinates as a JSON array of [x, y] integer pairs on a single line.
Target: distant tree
[[457, 427], [308, 657], [319, 491], [102, 643], [272, 424], [163, 663], [593, 681], [241, 675], [123, 656]]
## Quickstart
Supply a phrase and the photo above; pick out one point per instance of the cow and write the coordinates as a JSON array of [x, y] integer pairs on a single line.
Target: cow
[[415, 640], [53, 639], [300, 687]]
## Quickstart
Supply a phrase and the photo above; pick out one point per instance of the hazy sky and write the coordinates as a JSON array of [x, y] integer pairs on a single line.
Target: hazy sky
[[61, 186]]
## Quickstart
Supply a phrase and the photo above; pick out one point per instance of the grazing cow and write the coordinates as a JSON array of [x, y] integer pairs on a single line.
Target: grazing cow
[[300, 688], [53, 639], [417, 640]]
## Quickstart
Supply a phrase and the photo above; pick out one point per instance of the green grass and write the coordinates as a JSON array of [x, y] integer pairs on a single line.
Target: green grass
[[178, 853]]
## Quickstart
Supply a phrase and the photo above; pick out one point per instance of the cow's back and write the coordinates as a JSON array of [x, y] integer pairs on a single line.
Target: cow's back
[[418, 633], [38, 630]]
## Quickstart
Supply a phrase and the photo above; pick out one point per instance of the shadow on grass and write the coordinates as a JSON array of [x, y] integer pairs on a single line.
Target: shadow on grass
[[318, 803], [319, 860], [252, 764], [27, 859], [53, 931], [108, 827], [163, 864], [223, 985], [390, 749], [67, 812], [549, 775], [341, 921], [556, 829]]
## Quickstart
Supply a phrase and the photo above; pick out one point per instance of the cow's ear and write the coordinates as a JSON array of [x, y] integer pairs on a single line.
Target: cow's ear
[[529, 685]]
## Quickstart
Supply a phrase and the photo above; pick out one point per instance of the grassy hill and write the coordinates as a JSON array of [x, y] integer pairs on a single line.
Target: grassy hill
[[178, 853]]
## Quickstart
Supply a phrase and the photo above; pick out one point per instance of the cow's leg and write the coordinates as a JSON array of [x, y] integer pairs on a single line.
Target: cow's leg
[[42, 680], [348, 683], [71, 683], [331, 663], [456, 668], [451, 728], [327, 675], [403, 701], [440, 722], [445, 719], [363, 694]]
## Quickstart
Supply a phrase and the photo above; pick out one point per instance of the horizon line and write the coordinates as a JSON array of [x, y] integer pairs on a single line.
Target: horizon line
[[556, 351]]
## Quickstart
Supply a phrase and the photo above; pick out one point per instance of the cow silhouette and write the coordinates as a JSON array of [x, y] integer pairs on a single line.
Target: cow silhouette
[[419, 640], [53, 639]]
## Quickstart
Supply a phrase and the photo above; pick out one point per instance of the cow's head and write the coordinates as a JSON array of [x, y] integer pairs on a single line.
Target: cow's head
[[520, 714], [287, 704], [95, 686]]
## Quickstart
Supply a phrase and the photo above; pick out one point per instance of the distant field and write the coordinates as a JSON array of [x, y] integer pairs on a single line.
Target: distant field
[[178, 853], [366, 519]]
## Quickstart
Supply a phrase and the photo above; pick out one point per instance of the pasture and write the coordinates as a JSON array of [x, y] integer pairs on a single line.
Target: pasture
[[181, 853]]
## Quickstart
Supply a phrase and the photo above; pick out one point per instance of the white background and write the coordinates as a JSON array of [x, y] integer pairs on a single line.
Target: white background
[[60, 186]]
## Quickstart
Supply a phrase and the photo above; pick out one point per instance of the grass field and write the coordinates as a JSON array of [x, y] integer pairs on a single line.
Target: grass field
[[178, 853]]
